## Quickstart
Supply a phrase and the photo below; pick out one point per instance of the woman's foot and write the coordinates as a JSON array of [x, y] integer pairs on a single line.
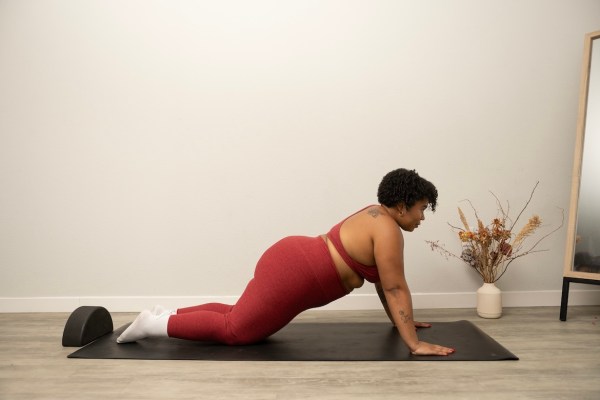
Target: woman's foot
[[159, 310], [145, 325]]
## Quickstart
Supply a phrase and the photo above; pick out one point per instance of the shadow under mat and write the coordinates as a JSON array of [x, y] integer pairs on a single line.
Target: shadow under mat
[[311, 342]]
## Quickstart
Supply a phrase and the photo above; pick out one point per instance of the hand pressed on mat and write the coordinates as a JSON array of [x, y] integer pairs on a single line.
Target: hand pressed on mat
[[428, 349]]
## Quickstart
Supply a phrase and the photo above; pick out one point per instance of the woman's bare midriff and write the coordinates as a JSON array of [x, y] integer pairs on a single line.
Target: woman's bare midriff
[[350, 279]]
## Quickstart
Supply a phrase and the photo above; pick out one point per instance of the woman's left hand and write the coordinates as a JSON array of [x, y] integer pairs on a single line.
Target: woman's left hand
[[421, 325]]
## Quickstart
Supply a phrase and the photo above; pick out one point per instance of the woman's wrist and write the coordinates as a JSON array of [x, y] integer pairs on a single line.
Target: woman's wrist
[[413, 346]]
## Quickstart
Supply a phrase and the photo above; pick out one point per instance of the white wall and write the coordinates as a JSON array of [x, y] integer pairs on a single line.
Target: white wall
[[156, 148]]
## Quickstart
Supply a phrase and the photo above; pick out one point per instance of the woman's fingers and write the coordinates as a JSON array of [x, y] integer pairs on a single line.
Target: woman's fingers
[[445, 351], [422, 324]]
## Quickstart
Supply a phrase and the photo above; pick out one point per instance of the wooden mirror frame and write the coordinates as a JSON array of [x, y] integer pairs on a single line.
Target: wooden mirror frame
[[569, 275]]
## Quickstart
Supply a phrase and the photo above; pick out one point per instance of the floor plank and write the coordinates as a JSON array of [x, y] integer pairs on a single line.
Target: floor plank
[[558, 360]]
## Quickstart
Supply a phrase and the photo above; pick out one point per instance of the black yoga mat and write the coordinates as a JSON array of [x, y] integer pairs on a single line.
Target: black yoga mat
[[311, 342]]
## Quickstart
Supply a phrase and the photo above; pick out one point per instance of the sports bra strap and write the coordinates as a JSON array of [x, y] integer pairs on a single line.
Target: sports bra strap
[[368, 272]]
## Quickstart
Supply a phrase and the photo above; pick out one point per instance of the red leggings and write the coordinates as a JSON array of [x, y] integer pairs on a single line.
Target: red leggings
[[293, 275]]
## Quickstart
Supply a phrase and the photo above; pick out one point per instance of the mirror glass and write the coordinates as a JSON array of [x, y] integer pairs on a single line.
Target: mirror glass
[[587, 242]]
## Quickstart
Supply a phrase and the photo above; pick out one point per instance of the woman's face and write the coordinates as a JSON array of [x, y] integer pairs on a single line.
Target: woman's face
[[411, 218]]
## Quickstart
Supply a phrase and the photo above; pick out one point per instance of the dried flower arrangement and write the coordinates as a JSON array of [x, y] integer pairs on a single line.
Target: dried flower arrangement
[[490, 249]]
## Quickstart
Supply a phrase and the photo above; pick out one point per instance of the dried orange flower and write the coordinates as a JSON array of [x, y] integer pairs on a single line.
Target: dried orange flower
[[490, 249]]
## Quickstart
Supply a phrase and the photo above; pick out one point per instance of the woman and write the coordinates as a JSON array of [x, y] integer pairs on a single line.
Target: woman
[[298, 273]]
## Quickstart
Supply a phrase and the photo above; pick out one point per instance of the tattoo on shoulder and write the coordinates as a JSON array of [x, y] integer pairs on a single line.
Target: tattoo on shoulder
[[404, 317], [374, 212]]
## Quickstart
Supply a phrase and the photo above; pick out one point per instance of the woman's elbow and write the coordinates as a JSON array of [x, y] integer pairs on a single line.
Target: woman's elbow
[[395, 288]]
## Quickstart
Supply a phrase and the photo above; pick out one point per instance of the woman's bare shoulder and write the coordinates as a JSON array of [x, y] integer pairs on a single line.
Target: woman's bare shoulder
[[375, 219]]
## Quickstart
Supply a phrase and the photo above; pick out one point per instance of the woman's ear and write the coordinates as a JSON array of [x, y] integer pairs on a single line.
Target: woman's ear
[[401, 207]]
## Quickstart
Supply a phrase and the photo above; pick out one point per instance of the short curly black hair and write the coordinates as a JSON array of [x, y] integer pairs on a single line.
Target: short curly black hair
[[406, 186]]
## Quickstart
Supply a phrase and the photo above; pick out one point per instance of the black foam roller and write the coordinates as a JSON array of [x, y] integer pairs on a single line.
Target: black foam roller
[[86, 324]]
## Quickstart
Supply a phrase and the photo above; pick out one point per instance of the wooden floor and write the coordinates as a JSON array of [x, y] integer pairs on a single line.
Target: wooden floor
[[558, 360]]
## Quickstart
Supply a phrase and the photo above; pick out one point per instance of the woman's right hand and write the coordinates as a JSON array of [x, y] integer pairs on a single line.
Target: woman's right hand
[[428, 349]]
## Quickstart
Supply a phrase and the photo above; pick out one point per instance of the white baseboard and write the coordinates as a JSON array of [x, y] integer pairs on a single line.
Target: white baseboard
[[350, 302]]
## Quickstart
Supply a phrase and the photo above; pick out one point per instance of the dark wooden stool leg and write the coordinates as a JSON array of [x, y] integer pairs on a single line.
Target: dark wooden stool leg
[[564, 299]]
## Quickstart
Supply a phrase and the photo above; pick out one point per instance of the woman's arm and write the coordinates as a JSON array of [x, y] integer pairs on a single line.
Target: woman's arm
[[387, 309], [384, 303], [389, 256]]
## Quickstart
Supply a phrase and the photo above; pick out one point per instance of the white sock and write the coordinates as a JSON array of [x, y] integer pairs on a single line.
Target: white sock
[[145, 325], [159, 310]]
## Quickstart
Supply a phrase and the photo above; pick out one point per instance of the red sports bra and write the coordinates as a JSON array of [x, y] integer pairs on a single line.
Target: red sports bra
[[368, 272]]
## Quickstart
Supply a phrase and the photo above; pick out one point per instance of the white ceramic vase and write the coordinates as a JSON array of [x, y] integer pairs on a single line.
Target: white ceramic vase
[[489, 301]]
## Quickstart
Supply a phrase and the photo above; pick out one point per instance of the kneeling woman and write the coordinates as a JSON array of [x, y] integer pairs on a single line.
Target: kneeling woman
[[298, 273]]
